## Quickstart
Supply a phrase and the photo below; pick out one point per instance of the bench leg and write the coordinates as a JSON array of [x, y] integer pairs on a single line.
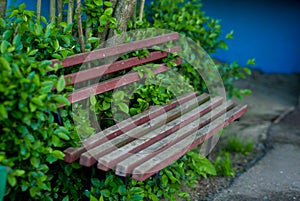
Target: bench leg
[[208, 147], [124, 179], [88, 172], [58, 118]]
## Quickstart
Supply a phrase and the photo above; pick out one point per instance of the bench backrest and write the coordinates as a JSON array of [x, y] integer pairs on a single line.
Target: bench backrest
[[107, 69]]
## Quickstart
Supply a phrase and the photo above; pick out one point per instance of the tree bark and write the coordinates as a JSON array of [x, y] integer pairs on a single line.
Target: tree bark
[[142, 10], [3, 4], [52, 10], [80, 31], [38, 10], [123, 12], [60, 10], [70, 11], [103, 35]]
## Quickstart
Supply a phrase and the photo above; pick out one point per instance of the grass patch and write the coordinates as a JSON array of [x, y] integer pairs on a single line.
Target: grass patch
[[237, 145]]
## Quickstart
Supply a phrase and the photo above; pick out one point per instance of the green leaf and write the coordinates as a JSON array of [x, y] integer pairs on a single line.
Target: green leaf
[[105, 193], [137, 197], [63, 24], [2, 23], [105, 105], [32, 107], [18, 173], [33, 52], [66, 40], [230, 35], [48, 31], [51, 158], [251, 62], [3, 112], [108, 11], [136, 190], [11, 49], [98, 2], [17, 40], [124, 107], [44, 20], [66, 198], [61, 84], [68, 28], [103, 21], [165, 180], [11, 180], [92, 198], [246, 92], [118, 95], [5, 64], [22, 7], [107, 3], [37, 101], [7, 34], [46, 87], [57, 56], [141, 75], [4, 46], [93, 40], [213, 35], [35, 162], [38, 29], [101, 198], [56, 141], [247, 71], [62, 100], [45, 63], [63, 136], [33, 191], [122, 190], [93, 99], [58, 154], [56, 45]]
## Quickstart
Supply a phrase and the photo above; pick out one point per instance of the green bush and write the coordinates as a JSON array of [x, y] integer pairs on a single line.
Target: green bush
[[31, 142]]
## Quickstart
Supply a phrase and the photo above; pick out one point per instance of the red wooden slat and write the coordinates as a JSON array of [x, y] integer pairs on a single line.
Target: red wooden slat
[[111, 159], [114, 67], [89, 158], [111, 84], [126, 166], [116, 50], [203, 134], [72, 154]]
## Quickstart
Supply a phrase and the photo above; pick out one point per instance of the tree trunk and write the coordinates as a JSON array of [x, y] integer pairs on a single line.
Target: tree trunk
[[3, 4], [80, 31], [52, 10], [38, 10], [60, 10], [104, 35], [122, 12], [70, 11], [142, 10]]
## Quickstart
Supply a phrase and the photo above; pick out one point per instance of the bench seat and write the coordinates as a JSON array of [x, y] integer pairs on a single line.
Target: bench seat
[[142, 145]]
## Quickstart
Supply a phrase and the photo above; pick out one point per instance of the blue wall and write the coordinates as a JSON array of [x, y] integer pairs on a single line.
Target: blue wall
[[31, 5], [266, 30]]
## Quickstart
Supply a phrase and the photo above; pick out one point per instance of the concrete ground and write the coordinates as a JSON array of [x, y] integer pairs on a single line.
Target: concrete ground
[[273, 119]]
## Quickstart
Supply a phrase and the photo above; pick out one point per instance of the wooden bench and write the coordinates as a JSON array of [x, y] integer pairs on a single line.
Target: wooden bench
[[142, 145]]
